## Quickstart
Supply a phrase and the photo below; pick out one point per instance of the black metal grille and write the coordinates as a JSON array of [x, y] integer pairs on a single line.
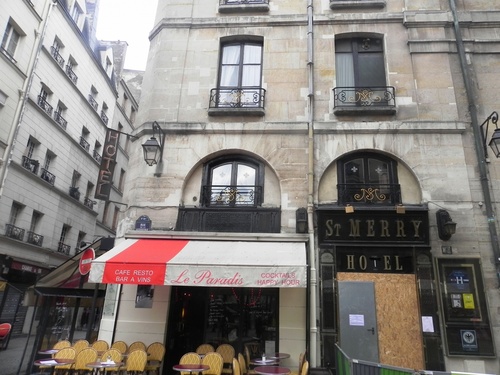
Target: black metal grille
[[224, 196], [14, 232], [382, 96], [237, 97], [369, 194]]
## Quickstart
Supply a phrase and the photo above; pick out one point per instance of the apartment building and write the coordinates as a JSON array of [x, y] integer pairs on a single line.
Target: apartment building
[[322, 179], [61, 91]]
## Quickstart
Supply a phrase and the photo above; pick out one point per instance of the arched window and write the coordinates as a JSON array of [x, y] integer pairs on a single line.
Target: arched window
[[233, 182], [368, 178]]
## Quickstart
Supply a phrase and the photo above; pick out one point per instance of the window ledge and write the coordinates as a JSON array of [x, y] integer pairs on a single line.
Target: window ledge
[[338, 4], [361, 111], [236, 112], [241, 8]]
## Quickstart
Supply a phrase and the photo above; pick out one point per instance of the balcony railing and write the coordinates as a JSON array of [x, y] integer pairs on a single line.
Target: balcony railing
[[31, 164], [60, 120], [34, 238], [55, 54], [224, 196], [14, 232], [104, 118], [237, 97], [84, 143], [93, 103], [74, 192], [71, 74], [63, 248], [47, 176], [364, 97], [42, 103], [89, 202], [97, 156], [378, 194]]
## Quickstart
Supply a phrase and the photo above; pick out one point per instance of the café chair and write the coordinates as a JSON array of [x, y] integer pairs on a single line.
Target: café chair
[[236, 367], [156, 352], [305, 368], [65, 353], [61, 344], [136, 362], [5, 329], [136, 345], [86, 355], [242, 364], [79, 345], [100, 346], [190, 358], [204, 349], [227, 353], [302, 358], [121, 346], [250, 370], [113, 355], [214, 361]]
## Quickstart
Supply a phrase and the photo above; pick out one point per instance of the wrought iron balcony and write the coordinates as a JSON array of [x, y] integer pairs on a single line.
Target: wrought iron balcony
[[238, 100], [104, 118], [71, 74], [97, 156], [89, 202], [378, 194], [34, 238], [60, 120], [362, 99], [63, 248], [74, 192], [47, 176], [227, 196], [93, 103], [84, 143], [42, 103], [228, 6], [55, 54], [31, 164], [14, 232]]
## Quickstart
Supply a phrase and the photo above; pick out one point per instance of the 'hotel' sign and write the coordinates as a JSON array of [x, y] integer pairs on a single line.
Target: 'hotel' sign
[[108, 161]]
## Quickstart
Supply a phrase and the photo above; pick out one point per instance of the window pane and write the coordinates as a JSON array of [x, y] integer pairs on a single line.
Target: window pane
[[252, 54], [353, 171], [229, 75], [344, 70], [222, 175], [371, 70], [245, 175], [231, 55], [378, 171], [251, 76]]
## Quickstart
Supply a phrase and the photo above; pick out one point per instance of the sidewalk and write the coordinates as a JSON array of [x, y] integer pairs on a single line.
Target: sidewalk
[[10, 358]]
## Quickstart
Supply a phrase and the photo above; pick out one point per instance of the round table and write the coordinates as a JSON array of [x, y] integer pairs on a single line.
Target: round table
[[279, 356], [263, 362], [191, 367], [53, 362], [272, 370], [48, 351], [103, 365]]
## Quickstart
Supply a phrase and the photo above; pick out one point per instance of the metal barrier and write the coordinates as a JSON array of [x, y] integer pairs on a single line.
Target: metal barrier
[[349, 366]]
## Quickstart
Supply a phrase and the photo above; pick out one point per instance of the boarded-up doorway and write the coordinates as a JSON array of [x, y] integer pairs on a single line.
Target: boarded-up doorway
[[398, 317]]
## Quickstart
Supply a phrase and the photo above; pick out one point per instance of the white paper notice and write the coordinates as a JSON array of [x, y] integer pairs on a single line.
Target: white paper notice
[[356, 320], [427, 324]]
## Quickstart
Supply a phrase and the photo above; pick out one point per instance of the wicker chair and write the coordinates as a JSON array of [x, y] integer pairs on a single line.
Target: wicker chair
[[227, 353], [302, 358], [113, 355], [189, 359], [156, 353], [80, 345], [121, 346], [5, 329], [136, 362], [100, 346], [236, 367], [136, 345], [204, 349], [305, 368], [64, 353], [86, 355], [214, 361], [242, 364], [61, 344]]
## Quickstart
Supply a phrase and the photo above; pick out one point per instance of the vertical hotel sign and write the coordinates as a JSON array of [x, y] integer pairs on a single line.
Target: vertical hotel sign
[[108, 162]]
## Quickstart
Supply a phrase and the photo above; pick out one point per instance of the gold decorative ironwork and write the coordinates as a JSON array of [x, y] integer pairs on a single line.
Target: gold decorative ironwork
[[370, 194]]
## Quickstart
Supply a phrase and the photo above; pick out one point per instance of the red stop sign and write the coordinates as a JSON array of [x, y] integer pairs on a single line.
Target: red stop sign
[[86, 260]]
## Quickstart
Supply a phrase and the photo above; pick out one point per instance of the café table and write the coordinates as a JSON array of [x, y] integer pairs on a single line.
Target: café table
[[272, 370], [103, 365], [191, 367], [48, 351], [278, 356], [263, 362], [53, 362]]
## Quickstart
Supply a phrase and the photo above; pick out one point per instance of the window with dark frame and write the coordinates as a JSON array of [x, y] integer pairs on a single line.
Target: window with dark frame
[[10, 39]]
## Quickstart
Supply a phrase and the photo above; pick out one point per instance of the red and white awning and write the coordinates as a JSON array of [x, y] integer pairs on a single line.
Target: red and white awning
[[203, 263]]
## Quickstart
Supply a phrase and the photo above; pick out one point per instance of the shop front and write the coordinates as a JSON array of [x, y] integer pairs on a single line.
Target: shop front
[[187, 292]]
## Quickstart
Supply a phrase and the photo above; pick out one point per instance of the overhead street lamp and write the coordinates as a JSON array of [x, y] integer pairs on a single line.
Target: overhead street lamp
[[495, 137], [153, 147]]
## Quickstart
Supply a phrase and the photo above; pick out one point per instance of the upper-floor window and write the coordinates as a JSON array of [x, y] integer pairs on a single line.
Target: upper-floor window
[[368, 178], [240, 76], [76, 13], [360, 74], [43, 100], [233, 182], [55, 50], [10, 39]]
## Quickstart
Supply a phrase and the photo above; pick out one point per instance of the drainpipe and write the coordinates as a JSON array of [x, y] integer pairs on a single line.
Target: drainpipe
[[24, 93], [478, 140], [313, 282]]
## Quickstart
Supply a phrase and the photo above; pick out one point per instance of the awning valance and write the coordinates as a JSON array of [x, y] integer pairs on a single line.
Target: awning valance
[[203, 263]]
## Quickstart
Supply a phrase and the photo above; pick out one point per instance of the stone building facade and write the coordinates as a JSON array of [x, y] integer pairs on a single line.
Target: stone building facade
[[354, 127]]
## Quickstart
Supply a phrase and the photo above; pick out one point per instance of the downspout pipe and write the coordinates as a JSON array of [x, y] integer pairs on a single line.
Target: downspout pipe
[[313, 281], [478, 140], [24, 94]]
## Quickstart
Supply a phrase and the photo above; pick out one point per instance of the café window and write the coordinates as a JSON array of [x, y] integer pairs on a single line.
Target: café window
[[368, 179], [233, 182]]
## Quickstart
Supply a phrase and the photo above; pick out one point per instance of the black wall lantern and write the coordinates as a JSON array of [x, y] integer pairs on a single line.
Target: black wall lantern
[[153, 148], [301, 220], [446, 226], [495, 137]]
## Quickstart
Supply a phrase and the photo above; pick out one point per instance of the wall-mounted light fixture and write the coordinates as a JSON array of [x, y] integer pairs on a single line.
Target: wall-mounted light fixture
[[301, 220], [153, 148], [495, 137], [446, 226]]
